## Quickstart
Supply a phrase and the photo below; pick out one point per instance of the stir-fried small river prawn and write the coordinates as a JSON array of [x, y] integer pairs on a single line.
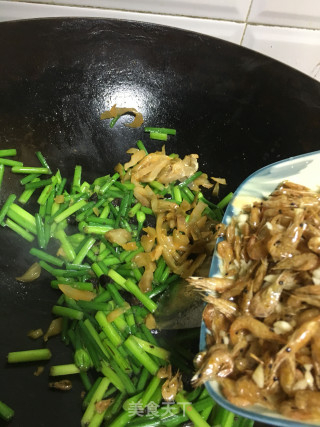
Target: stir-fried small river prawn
[[263, 312]]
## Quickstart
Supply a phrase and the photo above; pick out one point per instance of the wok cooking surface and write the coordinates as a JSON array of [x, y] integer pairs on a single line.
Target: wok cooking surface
[[237, 109]]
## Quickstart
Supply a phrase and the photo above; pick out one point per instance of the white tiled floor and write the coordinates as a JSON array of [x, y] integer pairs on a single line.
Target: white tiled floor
[[287, 30]]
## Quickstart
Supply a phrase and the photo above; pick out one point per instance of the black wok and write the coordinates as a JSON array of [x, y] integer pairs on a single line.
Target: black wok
[[239, 110]]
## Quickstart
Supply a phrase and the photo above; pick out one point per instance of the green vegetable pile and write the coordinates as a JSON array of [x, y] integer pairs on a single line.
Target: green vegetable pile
[[104, 311]]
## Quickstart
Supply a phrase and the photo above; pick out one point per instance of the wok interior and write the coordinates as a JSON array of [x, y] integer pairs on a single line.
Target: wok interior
[[237, 109]]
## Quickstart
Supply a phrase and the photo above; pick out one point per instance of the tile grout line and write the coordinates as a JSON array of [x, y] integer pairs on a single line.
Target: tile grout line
[[246, 23], [257, 24]]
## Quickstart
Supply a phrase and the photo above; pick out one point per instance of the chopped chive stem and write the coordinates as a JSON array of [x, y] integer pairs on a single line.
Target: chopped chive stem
[[29, 355], [1, 179], [28, 221], [76, 239], [111, 260], [67, 247], [102, 255], [117, 278], [26, 195], [85, 380], [132, 345], [40, 231], [6, 206], [123, 376], [105, 212], [46, 257], [104, 296], [143, 378], [108, 329], [149, 337], [38, 184], [70, 313], [6, 413], [141, 217], [143, 298], [177, 194], [157, 185], [159, 136], [160, 130], [68, 369], [175, 409], [146, 210], [165, 274], [159, 270], [61, 186], [157, 290], [69, 273], [206, 412], [50, 203], [191, 412], [93, 305], [58, 208], [207, 202], [223, 203], [87, 245], [9, 162], [90, 393], [137, 273], [123, 419], [30, 169], [152, 349], [76, 179], [70, 210], [124, 186], [97, 229], [141, 146], [81, 267], [150, 390], [9, 152], [83, 211], [96, 337], [121, 360], [114, 194], [96, 269], [132, 212], [42, 160], [19, 230], [109, 373], [94, 208], [131, 254], [91, 345], [103, 267], [97, 395], [29, 178], [187, 194], [108, 184], [122, 325], [45, 194], [191, 178], [42, 209], [83, 286], [114, 121]]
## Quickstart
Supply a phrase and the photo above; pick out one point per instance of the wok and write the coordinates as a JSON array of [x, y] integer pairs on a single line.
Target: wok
[[237, 109]]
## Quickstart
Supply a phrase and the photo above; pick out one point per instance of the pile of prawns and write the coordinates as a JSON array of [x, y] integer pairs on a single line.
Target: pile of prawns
[[263, 313]]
